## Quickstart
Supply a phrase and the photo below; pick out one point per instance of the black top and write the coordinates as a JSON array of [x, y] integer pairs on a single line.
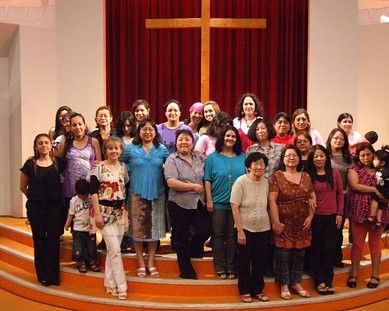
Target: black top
[[44, 184]]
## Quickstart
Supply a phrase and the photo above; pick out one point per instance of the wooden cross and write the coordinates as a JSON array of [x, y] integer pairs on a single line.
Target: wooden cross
[[205, 22]]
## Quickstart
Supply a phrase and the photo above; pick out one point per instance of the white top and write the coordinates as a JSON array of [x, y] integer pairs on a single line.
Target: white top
[[80, 210]]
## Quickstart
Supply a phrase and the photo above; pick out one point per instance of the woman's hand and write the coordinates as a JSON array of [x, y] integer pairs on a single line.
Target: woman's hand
[[198, 188], [312, 204], [307, 223], [241, 237], [95, 163], [99, 221], [338, 221], [278, 227], [210, 207]]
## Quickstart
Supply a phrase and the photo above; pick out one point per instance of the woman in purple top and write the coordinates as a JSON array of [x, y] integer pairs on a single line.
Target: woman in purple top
[[80, 152], [328, 187], [168, 129]]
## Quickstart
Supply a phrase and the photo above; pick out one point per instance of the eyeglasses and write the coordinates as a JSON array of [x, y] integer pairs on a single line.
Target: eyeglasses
[[147, 129], [291, 156]]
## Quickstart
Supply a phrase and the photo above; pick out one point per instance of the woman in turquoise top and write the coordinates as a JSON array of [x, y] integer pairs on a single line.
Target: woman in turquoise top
[[145, 158], [222, 168]]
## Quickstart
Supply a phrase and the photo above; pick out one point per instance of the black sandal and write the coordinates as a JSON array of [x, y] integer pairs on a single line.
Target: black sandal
[[322, 289], [352, 284], [221, 275], [82, 267], [373, 285], [94, 266]]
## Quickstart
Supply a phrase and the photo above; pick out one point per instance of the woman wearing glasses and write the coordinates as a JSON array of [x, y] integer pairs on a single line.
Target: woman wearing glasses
[[145, 158], [292, 203]]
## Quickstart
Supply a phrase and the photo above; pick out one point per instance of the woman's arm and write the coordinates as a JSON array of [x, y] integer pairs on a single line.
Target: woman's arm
[[353, 182], [97, 148], [208, 196], [60, 152], [179, 185], [277, 226], [238, 224], [24, 179], [312, 208]]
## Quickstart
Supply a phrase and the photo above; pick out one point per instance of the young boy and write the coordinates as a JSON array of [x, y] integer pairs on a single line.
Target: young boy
[[84, 244]]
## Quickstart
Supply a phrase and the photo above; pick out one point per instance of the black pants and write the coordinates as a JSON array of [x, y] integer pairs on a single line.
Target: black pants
[[187, 246], [323, 248], [46, 226], [250, 261]]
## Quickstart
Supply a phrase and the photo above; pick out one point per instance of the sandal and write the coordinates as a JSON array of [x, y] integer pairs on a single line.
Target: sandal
[[122, 295], [231, 275], [261, 297], [246, 298], [82, 267], [112, 290], [221, 275], [302, 293], [154, 272], [322, 289], [141, 272], [373, 285], [94, 266], [352, 284], [286, 295], [378, 225], [330, 290]]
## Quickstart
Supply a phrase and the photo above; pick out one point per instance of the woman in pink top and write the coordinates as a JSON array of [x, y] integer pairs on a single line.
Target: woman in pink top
[[328, 187]]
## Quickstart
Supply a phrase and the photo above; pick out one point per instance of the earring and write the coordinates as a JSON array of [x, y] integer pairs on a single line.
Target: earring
[[36, 153], [51, 153]]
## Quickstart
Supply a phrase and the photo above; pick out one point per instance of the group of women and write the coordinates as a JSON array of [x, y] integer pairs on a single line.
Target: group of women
[[234, 180]]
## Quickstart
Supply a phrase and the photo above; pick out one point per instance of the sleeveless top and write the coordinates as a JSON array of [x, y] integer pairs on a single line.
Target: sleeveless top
[[78, 165]]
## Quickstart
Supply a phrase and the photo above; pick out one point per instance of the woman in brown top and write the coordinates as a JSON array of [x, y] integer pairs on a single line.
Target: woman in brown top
[[292, 204]]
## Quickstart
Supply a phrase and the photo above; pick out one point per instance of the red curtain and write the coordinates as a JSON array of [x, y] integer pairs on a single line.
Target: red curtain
[[158, 65]]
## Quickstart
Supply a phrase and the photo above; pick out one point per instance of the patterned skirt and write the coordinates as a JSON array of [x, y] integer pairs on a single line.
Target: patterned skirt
[[147, 218]]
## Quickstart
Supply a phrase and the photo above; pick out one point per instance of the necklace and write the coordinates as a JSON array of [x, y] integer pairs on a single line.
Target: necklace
[[229, 168], [248, 123]]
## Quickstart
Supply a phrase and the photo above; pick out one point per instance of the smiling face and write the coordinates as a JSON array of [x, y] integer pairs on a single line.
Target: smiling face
[[249, 107], [147, 133], [43, 145], [141, 112], [77, 126], [229, 139], [291, 158], [184, 144], [319, 159], [209, 112], [301, 122], [173, 113], [303, 144], [196, 116], [257, 169], [337, 141], [346, 124], [113, 150], [66, 123], [282, 127]]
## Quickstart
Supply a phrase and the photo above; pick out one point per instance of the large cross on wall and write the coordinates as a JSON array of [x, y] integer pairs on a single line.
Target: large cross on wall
[[205, 22]]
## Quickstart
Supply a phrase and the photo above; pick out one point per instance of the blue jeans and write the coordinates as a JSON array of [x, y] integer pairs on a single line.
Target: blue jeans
[[289, 264], [84, 246], [224, 243]]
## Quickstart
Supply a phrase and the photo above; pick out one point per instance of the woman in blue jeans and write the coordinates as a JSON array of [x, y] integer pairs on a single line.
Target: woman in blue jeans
[[222, 168]]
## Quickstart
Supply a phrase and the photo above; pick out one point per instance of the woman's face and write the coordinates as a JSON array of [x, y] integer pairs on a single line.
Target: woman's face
[[196, 116], [291, 158], [301, 122], [173, 112], [61, 115], [66, 124], [282, 127], [249, 107], [147, 133], [103, 117], [261, 132], [319, 159], [229, 139], [127, 128], [303, 144], [346, 124], [113, 151], [43, 145], [77, 126], [337, 141], [141, 112], [209, 113], [184, 143], [257, 168], [366, 157]]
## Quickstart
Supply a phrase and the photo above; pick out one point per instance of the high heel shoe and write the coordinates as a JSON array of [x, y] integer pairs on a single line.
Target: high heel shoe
[[352, 284], [122, 295]]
